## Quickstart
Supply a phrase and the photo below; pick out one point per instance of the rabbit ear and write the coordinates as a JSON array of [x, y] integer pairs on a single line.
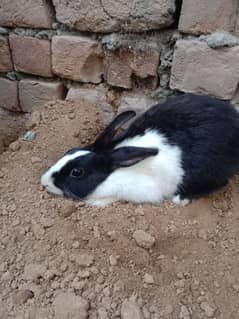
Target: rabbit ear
[[128, 156], [105, 139]]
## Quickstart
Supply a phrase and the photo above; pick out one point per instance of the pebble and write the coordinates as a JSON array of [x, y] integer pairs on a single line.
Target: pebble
[[22, 296], [112, 235], [209, 311], [179, 284], [36, 160], [15, 146], [84, 260], [75, 245], [68, 305], [84, 274], [67, 209], [184, 313], [143, 239], [202, 234], [113, 260], [148, 279], [47, 222], [29, 136], [130, 310]]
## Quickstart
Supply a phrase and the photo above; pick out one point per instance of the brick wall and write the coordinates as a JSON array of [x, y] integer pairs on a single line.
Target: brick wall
[[129, 52]]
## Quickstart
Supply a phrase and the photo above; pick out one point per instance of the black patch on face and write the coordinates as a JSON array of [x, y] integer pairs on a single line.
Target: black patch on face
[[95, 172]]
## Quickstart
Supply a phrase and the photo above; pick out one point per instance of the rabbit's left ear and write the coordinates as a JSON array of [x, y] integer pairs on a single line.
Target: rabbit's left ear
[[128, 156], [104, 141]]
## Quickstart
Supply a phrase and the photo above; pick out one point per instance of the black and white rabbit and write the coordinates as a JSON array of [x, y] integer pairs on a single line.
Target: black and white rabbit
[[182, 149]]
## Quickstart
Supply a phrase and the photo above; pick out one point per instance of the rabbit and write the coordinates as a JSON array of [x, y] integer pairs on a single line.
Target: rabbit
[[179, 150]]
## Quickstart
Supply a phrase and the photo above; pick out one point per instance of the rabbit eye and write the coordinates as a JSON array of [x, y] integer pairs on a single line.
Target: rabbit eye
[[77, 172]]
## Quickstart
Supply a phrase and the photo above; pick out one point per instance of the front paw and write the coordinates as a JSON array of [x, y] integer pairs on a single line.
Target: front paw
[[183, 202]]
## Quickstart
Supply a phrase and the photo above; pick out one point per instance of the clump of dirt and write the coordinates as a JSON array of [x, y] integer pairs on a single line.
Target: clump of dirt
[[11, 124], [62, 259]]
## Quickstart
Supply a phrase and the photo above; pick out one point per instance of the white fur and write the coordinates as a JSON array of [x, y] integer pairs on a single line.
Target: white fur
[[47, 180], [183, 202], [152, 180]]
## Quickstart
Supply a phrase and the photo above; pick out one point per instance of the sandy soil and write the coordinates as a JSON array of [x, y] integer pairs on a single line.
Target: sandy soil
[[61, 259]]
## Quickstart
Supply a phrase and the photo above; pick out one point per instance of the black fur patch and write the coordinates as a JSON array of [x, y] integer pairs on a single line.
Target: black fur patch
[[207, 132]]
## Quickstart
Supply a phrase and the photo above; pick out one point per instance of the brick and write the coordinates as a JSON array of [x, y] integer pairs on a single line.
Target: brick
[[26, 13], [96, 96], [9, 95], [200, 69], [111, 15], [205, 16], [33, 94], [31, 55], [136, 102], [121, 66], [77, 58], [5, 55]]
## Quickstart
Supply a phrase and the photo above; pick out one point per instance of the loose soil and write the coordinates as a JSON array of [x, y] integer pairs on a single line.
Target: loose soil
[[62, 259]]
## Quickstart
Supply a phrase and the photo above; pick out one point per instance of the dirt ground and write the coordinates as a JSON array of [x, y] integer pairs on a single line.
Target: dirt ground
[[61, 259]]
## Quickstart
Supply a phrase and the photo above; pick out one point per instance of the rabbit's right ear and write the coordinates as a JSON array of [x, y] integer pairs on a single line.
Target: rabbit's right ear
[[104, 141]]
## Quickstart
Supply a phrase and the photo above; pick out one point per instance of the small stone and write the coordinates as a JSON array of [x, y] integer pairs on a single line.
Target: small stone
[[22, 297], [184, 313], [209, 311], [100, 279], [112, 235], [148, 279], [29, 136], [220, 39], [84, 274], [67, 209], [202, 234], [130, 309], [47, 222], [15, 146], [71, 116], [84, 260], [76, 245], [12, 208], [70, 306], [143, 239], [179, 284], [113, 260], [236, 288], [36, 160]]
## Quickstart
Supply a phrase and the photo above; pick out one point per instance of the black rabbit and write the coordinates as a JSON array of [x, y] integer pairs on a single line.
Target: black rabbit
[[182, 149]]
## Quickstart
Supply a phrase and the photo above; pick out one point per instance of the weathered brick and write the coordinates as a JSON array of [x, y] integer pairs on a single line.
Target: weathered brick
[[111, 15], [77, 58], [96, 96], [205, 16], [200, 69], [5, 55], [31, 55], [137, 102], [33, 94], [9, 95], [26, 13], [121, 66]]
